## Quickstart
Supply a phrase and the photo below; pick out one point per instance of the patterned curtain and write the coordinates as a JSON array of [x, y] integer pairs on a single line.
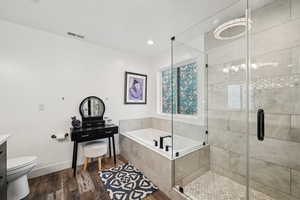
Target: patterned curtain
[[184, 85], [188, 89], [167, 91]]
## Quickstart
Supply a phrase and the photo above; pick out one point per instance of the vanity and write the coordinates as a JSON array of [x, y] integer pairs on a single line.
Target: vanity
[[3, 163], [93, 127]]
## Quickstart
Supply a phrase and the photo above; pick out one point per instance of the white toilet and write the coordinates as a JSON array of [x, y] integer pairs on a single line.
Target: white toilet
[[17, 171]]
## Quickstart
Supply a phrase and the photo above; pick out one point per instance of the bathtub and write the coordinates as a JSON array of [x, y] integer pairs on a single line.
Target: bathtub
[[163, 169], [182, 145]]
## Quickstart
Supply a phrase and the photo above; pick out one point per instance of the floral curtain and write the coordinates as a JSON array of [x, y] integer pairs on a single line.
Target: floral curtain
[[184, 94], [188, 89]]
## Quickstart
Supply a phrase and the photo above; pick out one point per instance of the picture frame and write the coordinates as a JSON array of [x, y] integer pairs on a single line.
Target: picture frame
[[135, 91]]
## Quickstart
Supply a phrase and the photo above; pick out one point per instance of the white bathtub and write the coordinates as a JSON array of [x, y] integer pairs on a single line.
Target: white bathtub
[[182, 145]]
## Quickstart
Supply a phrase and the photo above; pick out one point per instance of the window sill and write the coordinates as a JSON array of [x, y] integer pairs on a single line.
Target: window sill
[[194, 119], [180, 116]]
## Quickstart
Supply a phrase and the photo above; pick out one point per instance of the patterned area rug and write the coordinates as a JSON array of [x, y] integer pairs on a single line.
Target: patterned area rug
[[125, 182]]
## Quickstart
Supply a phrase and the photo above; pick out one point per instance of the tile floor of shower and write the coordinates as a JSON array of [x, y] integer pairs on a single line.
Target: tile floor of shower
[[212, 186]]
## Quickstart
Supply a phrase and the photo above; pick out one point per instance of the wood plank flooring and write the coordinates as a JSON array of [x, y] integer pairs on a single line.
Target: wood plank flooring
[[87, 185]]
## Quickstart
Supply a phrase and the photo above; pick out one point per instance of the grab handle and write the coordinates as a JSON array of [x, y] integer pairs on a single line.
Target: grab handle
[[260, 124]]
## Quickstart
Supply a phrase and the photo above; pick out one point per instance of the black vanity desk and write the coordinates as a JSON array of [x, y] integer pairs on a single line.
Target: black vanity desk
[[79, 135]]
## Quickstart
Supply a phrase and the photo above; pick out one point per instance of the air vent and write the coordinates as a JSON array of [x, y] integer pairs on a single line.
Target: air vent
[[75, 35]]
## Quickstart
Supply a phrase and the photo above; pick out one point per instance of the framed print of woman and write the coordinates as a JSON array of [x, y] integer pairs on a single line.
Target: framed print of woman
[[135, 88]]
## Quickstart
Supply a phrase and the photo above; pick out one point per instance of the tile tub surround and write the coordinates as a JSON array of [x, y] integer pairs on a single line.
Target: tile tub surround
[[181, 145], [187, 167], [192, 131], [155, 166], [135, 124], [191, 166], [275, 162], [160, 169]]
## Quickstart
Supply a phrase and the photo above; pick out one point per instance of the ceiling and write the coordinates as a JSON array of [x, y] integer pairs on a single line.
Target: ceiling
[[119, 24]]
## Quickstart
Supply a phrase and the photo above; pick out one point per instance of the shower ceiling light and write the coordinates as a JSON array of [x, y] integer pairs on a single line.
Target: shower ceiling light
[[226, 70], [150, 42], [229, 26], [236, 68], [254, 66]]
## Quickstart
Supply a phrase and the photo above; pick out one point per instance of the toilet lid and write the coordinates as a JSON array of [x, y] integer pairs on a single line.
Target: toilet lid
[[15, 163]]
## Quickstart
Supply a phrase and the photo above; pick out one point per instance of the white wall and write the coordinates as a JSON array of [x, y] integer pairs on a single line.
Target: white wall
[[36, 68]]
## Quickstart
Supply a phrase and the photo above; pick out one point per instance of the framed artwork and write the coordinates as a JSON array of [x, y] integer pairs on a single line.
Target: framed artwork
[[135, 88]]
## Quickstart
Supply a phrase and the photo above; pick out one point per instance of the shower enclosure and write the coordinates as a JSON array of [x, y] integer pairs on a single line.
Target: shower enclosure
[[236, 94]]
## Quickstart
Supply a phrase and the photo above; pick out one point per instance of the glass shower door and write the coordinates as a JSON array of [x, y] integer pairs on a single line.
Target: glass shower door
[[190, 149], [274, 92], [217, 168]]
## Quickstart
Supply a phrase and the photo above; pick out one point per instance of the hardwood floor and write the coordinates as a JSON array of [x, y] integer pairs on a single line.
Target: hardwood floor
[[86, 186]]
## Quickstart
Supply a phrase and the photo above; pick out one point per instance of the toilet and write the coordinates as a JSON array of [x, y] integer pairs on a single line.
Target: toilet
[[17, 171]]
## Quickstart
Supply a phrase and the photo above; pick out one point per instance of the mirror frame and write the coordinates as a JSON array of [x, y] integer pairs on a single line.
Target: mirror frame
[[96, 117]]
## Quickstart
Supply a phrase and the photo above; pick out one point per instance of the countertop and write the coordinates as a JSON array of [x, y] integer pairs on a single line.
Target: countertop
[[3, 138]]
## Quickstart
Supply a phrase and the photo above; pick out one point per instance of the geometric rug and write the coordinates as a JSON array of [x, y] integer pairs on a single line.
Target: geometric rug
[[125, 182]]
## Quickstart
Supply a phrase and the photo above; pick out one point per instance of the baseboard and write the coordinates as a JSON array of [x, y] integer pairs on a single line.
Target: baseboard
[[50, 169]]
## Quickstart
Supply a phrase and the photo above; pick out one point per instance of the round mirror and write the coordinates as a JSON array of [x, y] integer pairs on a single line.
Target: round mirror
[[92, 107]]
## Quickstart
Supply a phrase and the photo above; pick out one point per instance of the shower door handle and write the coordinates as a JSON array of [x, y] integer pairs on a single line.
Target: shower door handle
[[260, 124]]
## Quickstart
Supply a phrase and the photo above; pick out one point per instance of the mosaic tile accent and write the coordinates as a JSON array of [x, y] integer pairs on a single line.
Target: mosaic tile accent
[[212, 186]]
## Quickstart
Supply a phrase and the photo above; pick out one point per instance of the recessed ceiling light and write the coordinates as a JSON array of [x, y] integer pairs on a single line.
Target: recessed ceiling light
[[150, 42]]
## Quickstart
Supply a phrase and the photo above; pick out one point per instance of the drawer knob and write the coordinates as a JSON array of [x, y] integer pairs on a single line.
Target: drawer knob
[[1, 152]]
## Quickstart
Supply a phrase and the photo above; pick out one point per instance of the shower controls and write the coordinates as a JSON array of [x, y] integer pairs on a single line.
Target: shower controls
[[167, 147], [181, 189], [260, 124], [155, 143], [161, 141]]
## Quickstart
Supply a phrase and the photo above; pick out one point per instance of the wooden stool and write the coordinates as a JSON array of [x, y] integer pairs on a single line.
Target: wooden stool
[[95, 149]]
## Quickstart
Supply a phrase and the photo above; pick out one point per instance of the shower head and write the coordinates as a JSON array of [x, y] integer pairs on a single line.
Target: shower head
[[232, 29]]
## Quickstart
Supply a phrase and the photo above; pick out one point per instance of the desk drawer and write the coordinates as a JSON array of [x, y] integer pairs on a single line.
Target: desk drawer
[[92, 135], [112, 130]]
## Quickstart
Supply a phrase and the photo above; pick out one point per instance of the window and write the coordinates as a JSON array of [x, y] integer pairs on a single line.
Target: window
[[184, 85], [234, 97]]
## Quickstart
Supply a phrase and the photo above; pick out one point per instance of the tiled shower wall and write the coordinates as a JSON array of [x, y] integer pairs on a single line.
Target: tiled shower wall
[[275, 87]]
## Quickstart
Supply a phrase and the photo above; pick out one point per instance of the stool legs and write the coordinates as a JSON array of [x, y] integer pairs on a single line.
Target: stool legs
[[87, 160], [99, 163], [85, 164]]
